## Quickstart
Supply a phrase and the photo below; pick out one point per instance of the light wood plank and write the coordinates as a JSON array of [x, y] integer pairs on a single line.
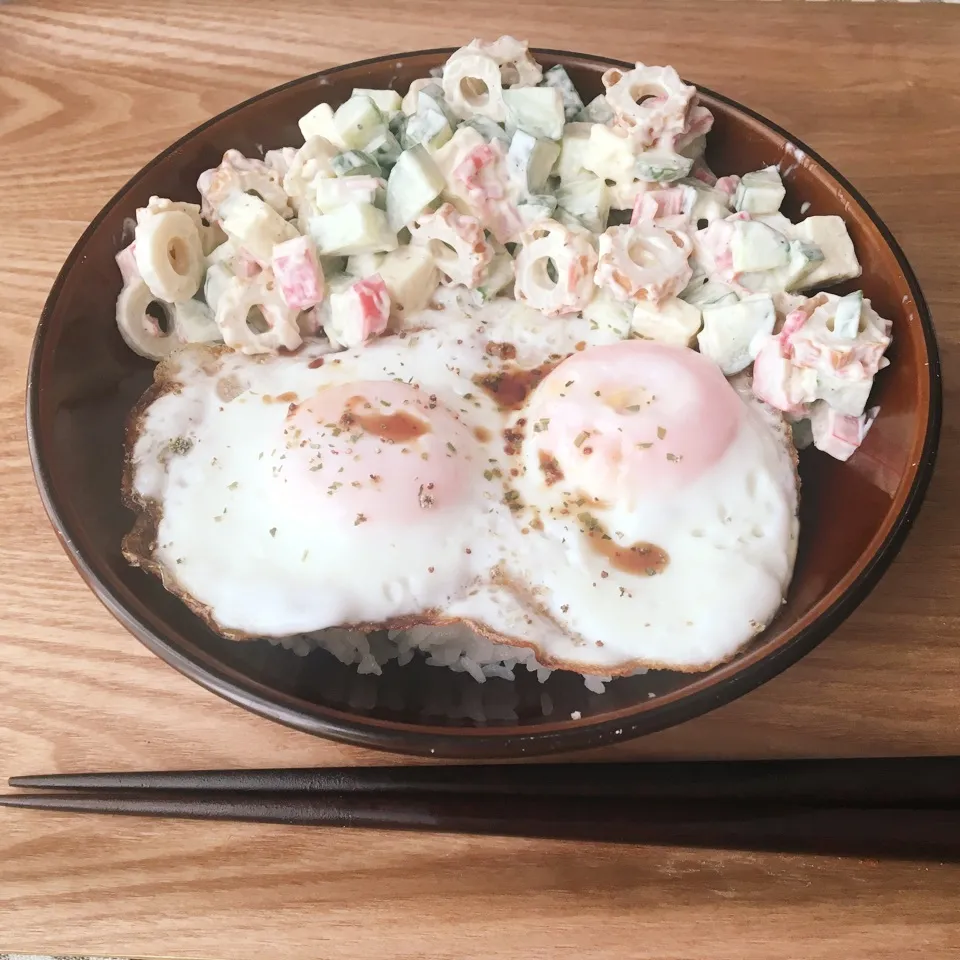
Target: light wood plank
[[88, 93]]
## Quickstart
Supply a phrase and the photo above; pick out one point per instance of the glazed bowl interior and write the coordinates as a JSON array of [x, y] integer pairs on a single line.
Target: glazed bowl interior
[[84, 380]]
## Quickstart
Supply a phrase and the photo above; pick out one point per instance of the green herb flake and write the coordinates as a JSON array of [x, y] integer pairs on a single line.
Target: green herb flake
[[589, 521], [661, 432], [273, 531], [581, 439], [181, 446]]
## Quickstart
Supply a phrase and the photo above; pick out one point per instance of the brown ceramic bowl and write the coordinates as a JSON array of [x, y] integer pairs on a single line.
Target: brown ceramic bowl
[[83, 381]]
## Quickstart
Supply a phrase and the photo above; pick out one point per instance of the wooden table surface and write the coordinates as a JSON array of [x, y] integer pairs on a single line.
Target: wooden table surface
[[88, 93]]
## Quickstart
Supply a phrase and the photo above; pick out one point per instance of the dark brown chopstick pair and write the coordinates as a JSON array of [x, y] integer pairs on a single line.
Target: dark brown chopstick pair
[[885, 807]]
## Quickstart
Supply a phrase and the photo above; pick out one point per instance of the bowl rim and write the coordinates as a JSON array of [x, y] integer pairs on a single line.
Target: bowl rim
[[480, 742]]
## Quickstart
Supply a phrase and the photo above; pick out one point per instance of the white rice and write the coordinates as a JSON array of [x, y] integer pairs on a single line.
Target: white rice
[[457, 648]]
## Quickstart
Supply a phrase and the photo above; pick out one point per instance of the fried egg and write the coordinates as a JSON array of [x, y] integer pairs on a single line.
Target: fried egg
[[610, 504]]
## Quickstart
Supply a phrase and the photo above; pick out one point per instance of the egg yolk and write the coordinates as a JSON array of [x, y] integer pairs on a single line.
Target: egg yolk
[[631, 418], [378, 451]]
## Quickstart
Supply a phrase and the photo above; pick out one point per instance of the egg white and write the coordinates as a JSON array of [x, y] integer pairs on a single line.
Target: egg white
[[257, 560]]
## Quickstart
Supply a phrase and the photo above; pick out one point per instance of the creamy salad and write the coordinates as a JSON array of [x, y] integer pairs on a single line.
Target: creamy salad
[[494, 178]]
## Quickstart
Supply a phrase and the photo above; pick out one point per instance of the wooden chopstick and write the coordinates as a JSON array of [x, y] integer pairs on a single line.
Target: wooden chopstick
[[899, 833], [867, 782]]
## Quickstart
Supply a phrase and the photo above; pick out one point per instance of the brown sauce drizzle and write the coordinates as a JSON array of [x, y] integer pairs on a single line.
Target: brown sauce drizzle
[[391, 427], [511, 387], [513, 438], [550, 468], [505, 351], [288, 397], [642, 559], [314, 364], [482, 434]]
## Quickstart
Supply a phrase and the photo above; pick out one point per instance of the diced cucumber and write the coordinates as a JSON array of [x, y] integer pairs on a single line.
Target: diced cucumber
[[319, 123], [384, 149], [695, 148], [353, 228], [329, 194], [559, 78], [567, 220], [587, 199], [659, 166], [607, 312], [411, 277], [760, 192], [397, 125], [573, 150], [755, 246], [732, 333], [839, 258], [355, 163], [803, 258], [431, 100], [537, 207], [255, 225], [673, 321], [489, 129], [710, 204], [609, 156], [598, 110], [387, 101], [776, 220], [414, 182], [711, 292], [358, 121], [331, 266], [529, 160], [429, 127], [410, 102], [433, 89], [215, 283], [535, 110], [846, 321], [364, 264], [500, 274], [848, 397], [193, 322]]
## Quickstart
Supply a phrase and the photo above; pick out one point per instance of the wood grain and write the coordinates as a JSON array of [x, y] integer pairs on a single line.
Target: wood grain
[[88, 93]]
